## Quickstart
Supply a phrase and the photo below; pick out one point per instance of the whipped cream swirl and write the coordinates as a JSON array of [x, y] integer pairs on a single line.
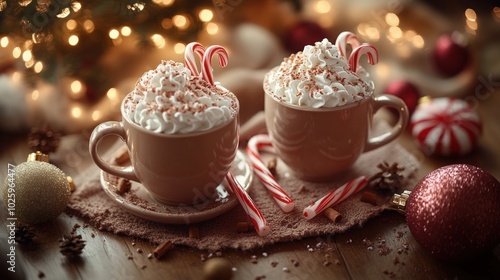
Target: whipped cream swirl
[[170, 100], [318, 77]]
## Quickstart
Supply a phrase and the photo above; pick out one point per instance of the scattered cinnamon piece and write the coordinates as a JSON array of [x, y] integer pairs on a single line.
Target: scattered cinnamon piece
[[370, 197], [271, 165], [123, 157], [194, 232], [274, 263], [333, 215], [162, 249], [123, 186], [242, 227]]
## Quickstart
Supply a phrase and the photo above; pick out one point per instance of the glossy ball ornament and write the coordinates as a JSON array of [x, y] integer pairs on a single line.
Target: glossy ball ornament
[[302, 34], [41, 191], [453, 212], [450, 58], [405, 90]]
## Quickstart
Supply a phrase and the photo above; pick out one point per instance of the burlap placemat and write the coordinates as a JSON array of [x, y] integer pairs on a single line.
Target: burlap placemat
[[90, 203]]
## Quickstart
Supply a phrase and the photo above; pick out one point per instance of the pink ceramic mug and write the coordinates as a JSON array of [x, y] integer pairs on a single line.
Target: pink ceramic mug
[[178, 169], [319, 144]]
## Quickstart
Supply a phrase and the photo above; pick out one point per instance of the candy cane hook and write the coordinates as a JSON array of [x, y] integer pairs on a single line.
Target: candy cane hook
[[189, 57], [358, 52], [207, 61], [343, 40]]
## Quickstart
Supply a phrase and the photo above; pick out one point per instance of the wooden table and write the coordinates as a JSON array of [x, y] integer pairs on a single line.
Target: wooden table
[[105, 255]]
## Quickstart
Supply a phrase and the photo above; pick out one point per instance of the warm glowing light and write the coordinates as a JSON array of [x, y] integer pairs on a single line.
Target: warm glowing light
[[71, 24], [322, 7], [38, 67], [76, 112], [126, 31], [112, 93], [73, 40], [392, 19], [113, 34], [206, 15], [158, 40], [372, 33], [395, 32], [496, 13], [180, 21], [89, 26], [362, 28], [163, 3], [424, 99], [29, 63], [418, 41], [409, 34], [471, 24], [16, 77], [16, 52], [179, 48], [76, 86], [4, 42], [167, 23], [96, 115], [27, 55], [212, 28], [470, 14], [117, 41], [76, 6], [64, 13], [35, 94]]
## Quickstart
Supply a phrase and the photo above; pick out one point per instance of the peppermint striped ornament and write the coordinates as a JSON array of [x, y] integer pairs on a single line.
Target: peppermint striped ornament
[[259, 142], [255, 215], [335, 197], [446, 127]]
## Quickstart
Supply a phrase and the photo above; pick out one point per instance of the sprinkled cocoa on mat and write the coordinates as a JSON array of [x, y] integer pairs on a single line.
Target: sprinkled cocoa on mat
[[162, 249]]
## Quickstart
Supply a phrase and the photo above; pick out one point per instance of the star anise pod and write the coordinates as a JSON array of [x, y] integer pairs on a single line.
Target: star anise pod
[[24, 234], [43, 139], [388, 179], [71, 246]]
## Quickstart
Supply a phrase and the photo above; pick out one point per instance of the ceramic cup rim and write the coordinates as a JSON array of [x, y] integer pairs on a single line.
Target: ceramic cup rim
[[126, 118]]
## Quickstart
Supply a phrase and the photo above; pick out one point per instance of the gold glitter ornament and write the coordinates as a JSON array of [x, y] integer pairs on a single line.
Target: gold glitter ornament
[[41, 190]]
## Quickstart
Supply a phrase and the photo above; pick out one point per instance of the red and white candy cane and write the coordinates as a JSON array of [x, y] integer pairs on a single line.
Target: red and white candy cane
[[335, 197], [344, 39], [359, 51], [256, 217], [189, 57], [207, 61], [255, 144]]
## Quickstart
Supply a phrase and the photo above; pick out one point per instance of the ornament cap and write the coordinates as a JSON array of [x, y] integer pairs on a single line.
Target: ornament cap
[[38, 156], [398, 201]]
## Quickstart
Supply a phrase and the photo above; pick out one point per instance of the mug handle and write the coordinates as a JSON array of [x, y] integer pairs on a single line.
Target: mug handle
[[101, 131], [403, 116]]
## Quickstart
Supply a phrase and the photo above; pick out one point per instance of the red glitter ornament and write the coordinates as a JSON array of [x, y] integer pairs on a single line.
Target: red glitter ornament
[[302, 34], [405, 90], [450, 58], [453, 212]]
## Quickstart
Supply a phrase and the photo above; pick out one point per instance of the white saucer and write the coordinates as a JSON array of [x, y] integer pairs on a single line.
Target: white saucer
[[138, 201]]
